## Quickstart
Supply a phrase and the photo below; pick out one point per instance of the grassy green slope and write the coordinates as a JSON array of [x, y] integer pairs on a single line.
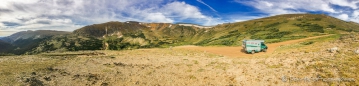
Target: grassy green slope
[[133, 35], [283, 27]]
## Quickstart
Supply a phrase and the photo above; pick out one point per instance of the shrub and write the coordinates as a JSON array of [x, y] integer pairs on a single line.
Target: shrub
[[231, 34], [285, 21], [258, 37], [307, 43], [315, 28], [272, 25], [317, 19], [203, 42], [348, 30], [273, 29], [331, 26], [277, 35], [253, 31], [310, 27], [227, 42]]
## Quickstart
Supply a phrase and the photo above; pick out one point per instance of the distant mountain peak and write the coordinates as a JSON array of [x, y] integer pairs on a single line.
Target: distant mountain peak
[[32, 34]]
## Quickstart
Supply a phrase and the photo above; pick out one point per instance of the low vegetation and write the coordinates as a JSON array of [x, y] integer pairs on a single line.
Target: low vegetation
[[135, 35], [290, 63]]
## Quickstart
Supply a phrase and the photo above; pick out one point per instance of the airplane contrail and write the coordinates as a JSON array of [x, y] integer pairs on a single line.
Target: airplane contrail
[[200, 1]]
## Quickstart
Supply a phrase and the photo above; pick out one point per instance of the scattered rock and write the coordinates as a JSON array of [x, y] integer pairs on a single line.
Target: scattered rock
[[51, 69], [47, 78], [356, 51], [33, 73], [93, 77], [170, 47], [104, 84], [77, 76], [119, 64], [333, 50], [64, 73], [32, 81]]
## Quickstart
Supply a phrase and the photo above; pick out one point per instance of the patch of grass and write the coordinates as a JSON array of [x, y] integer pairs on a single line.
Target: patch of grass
[[260, 62], [222, 66], [200, 70], [327, 38], [107, 70], [189, 65], [109, 65], [195, 61], [284, 38], [307, 43], [149, 73], [240, 62], [192, 77], [212, 55], [11, 69], [211, 64], [275, 66]]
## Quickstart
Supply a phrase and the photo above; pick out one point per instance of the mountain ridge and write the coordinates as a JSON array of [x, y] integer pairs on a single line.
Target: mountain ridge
[[31, 34], [116, 35]]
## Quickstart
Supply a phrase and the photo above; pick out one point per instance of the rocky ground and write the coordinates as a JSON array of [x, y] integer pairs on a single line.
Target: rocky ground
[[306, 63]]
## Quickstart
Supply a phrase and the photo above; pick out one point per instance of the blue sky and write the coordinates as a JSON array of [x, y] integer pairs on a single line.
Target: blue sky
[[68, 15]]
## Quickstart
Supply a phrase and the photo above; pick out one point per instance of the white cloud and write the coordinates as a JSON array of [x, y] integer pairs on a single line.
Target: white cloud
[[182, 10], [355, 13], [343, 16], [6, 33], [275, 7], [68, 15], [7, 3], [245, 18], [349, 3], [327, 8], [158, 17]]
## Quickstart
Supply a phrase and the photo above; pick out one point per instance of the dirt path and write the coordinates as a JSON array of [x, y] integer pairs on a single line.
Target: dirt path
[[237, 51]]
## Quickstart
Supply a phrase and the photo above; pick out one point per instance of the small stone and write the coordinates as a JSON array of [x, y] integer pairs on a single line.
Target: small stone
[[357, 51]]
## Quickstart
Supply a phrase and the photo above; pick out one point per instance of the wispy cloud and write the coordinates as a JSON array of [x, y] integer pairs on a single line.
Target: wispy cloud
[[200, 1], [210, 7], [288, 6]]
